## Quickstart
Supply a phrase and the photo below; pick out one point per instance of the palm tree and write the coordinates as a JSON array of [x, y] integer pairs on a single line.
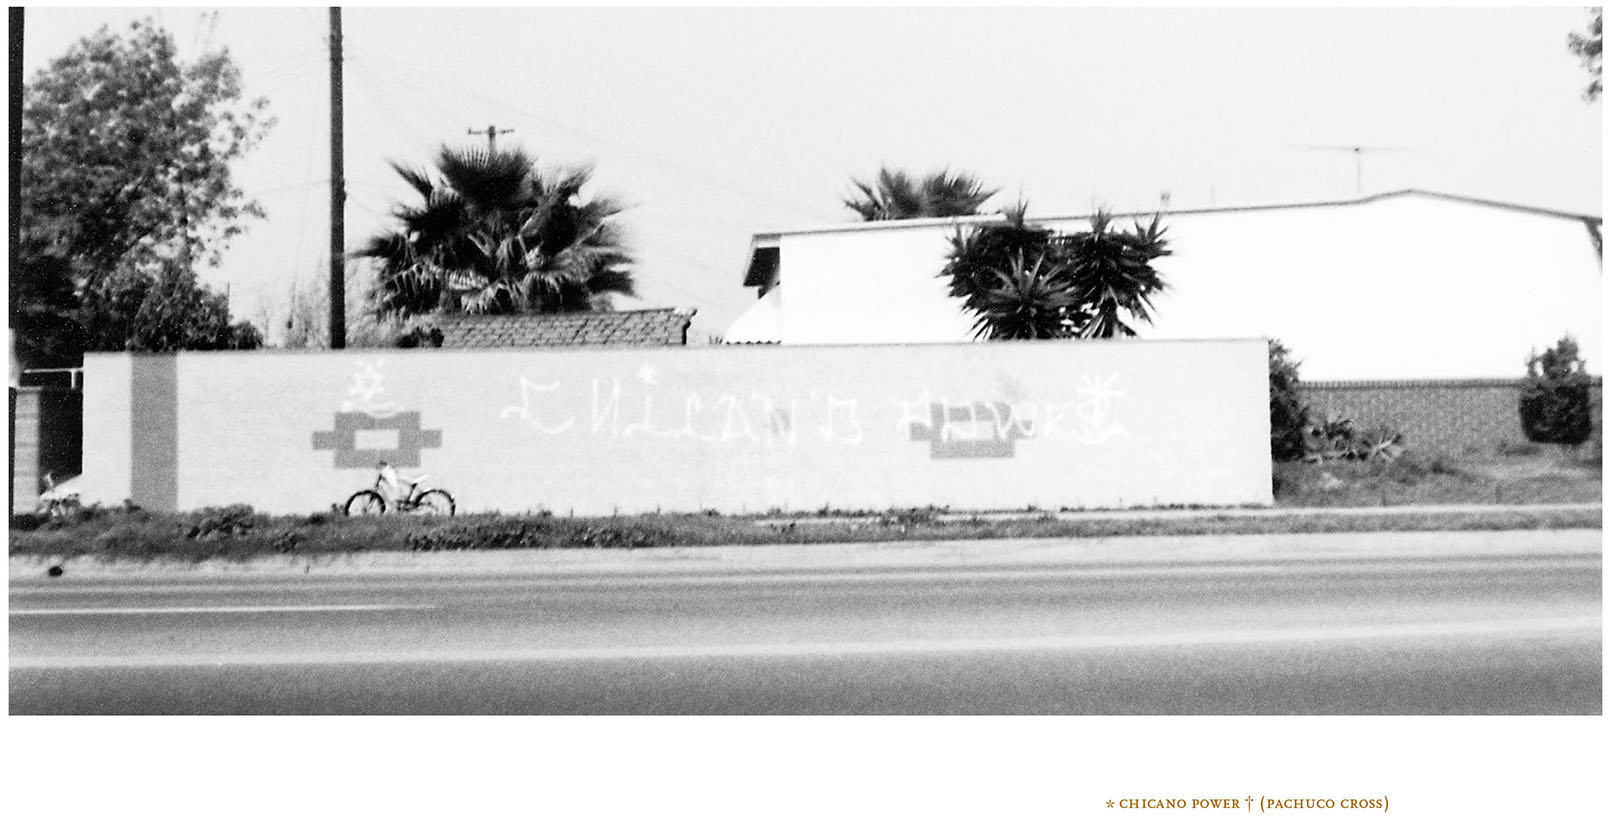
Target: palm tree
[[1024, 281], [895, 194], [1112, 273], [1028, 302], [492, 234], [978, 257]]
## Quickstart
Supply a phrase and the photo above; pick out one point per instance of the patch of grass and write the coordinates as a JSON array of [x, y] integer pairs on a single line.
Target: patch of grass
[[1545, 478], [237, 533], [1553, 476]]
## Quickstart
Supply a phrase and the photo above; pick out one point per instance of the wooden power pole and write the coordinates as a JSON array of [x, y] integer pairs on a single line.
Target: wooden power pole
[[338, 194], [14, 66]]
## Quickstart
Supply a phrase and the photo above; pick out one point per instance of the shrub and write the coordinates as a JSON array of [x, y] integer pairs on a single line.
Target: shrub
[[1556, 403], [420, 336], [1287, 414], [211, 524], [1335, 437], [496, 533]]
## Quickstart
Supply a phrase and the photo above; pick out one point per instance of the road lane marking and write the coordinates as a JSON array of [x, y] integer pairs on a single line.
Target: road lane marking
[[1505, 627], [217, 609]]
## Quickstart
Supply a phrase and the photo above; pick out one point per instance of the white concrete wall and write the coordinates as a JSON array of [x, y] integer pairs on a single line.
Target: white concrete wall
[[1402, 287], [108, 424], [737, 429], [873, 287]]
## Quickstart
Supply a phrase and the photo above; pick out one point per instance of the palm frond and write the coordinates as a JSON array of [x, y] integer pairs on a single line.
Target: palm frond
[[612, 280], [392, 247], [417, 178], [493, 234], [488, 180], [954, 194], [1028, 301]]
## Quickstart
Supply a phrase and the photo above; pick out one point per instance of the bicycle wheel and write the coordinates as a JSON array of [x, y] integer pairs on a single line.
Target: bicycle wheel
[[435, 501], [365, 503]]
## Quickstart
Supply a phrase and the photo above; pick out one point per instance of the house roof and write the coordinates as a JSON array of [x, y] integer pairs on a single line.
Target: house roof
[[763, 260], [662, 327]]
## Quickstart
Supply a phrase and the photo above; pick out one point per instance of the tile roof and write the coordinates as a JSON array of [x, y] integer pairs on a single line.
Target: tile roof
[[663, 327]]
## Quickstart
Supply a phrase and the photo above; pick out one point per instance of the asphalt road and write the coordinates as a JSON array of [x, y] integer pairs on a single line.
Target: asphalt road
[[1409, 623]]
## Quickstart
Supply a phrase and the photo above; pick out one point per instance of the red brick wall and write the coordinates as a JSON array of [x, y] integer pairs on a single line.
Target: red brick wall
[[1452, 417]]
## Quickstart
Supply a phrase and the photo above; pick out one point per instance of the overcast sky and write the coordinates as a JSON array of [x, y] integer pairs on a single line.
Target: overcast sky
[[720, 123]]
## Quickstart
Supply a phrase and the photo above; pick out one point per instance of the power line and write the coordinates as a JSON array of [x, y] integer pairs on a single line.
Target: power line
[[669, 163], [385, 96]]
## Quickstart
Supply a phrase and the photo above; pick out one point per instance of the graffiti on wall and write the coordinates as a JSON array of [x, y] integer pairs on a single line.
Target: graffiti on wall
[[979, 429], [619, 408], [370, 428]]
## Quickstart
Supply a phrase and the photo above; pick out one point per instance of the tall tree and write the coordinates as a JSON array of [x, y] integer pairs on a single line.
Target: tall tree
[[1025, 281], [126, 156], [895, 194], [494, 234], [127, 151], [1589, 46], [44, 309], [162, 312]]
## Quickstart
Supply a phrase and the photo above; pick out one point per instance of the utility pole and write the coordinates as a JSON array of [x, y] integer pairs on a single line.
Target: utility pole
[[15, 137], [492, 133], [338, 194], [14, 194]]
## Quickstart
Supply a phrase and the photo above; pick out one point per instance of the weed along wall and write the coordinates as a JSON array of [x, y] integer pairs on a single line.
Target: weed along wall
[[734, 429]]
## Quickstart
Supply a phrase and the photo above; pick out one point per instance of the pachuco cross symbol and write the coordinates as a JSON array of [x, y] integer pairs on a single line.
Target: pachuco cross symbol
[[366, 431]]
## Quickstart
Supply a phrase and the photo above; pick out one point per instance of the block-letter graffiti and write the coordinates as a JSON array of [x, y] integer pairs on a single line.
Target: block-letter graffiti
[[971, 430], [408, 442], [737, 426], [842, 425], [780, 426], [1094, 409], [527, 410], [607, 413]]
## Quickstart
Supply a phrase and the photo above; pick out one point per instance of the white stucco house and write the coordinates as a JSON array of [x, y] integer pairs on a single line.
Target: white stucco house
[[1403, 285]]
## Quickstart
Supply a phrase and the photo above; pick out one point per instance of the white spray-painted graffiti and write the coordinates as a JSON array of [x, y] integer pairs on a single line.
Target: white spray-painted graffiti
[[622, 410], [622, 413], [367, 430], [367, 384], [977, 429]]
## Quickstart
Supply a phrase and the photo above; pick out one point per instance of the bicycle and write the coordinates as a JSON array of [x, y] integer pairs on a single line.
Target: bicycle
[[416, 500]]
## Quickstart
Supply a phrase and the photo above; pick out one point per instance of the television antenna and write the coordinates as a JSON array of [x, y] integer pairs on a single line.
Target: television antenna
[[1358, 152]]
